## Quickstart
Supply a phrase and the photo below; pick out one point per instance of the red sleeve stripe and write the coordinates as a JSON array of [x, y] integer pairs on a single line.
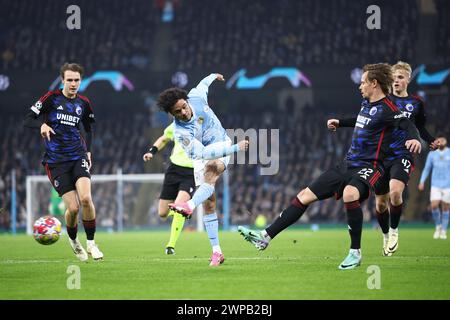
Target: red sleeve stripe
[[84, 98], [47, 95], [380, 142], [417, 97], [391, 105]]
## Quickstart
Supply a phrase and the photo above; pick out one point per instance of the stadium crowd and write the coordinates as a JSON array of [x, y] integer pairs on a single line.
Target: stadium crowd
[[251, 34]]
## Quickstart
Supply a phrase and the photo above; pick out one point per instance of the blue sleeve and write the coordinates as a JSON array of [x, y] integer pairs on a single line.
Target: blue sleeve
[[201, 90], [427, 169], [197, 151]]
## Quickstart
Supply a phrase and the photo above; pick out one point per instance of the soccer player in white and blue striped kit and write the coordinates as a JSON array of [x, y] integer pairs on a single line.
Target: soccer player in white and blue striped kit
[[439, 162], [202, 136]]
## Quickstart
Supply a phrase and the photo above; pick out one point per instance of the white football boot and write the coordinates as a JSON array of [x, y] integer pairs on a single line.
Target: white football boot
[[437, 232], [78, 249], [386, 252], [94, 251], [392, 245], [443, 234]]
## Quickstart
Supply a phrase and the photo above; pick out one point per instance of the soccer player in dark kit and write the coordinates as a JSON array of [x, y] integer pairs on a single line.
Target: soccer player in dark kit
[[400, 163], [389, 192], [67, 159], [354, 178]]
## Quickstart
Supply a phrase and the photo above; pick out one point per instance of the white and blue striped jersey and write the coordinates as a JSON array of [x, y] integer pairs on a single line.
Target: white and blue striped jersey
[[439, 162], [204, 128]]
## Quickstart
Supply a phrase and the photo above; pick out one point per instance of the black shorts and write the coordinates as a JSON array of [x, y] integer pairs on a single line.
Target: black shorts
[[399, 169], [332, 182], [176, 179], [64, 175]]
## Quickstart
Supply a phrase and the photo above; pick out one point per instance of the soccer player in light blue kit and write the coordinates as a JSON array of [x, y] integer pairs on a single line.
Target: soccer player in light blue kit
[[202, 136], [439, 162]]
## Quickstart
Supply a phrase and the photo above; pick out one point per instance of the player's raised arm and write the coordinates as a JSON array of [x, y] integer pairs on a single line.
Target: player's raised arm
[[201, 89], [426, 171]]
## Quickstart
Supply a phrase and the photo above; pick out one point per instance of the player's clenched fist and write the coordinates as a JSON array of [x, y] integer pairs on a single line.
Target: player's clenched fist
[[243, 145], [148, 156], [333, 124]]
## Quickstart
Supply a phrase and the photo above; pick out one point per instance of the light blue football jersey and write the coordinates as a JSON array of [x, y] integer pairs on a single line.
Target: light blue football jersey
[[439, 162], [204, 126]]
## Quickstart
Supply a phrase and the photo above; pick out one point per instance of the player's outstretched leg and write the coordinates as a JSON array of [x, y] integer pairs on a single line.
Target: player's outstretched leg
[[255, 237], [287, 217], [182, 208], [204, 191]]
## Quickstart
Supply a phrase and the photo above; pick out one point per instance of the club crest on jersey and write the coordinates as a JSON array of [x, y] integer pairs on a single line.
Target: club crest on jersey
[[200, 120], [373, 111], [409, 107], [78, 110], [185, 141]]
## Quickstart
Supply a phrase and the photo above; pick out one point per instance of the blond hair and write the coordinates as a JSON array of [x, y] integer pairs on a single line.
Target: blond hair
[[404, 66]]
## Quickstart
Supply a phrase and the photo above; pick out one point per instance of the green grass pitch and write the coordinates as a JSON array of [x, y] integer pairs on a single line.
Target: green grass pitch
[[298, 264]]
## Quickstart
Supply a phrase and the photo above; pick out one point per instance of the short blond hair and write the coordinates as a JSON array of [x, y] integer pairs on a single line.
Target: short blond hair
[[400, 65]]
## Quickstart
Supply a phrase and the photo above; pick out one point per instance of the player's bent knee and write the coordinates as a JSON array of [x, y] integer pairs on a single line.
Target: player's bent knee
[[381, 207], [396, 195], [212, 167], [381, 202], [73, 209], [209, 206], [86, 200], [351, 194], [306, 196], [163, 214]]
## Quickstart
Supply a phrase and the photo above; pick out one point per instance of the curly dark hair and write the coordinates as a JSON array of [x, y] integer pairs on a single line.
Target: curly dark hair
[[169, 97]]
